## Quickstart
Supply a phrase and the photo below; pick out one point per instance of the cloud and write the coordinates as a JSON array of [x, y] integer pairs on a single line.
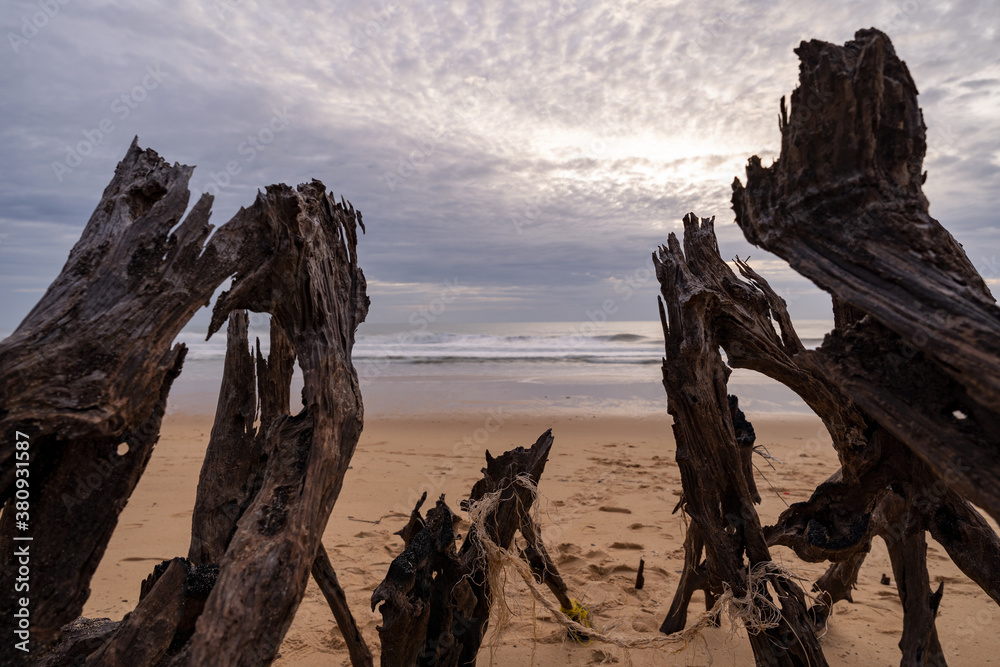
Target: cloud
[[534, 153]]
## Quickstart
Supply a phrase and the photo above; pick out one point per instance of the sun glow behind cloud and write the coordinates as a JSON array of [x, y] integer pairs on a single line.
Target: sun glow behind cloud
[[529, 150]]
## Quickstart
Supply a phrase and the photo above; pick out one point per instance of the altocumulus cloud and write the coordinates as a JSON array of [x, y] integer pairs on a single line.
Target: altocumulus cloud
[[535, 154]]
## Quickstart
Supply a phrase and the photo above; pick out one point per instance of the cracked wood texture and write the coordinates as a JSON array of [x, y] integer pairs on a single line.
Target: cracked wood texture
[[436, 600], [881, 488], [315, 292], [891, 493], [694, 575], [717, 496], [91, 366], [844, 206]]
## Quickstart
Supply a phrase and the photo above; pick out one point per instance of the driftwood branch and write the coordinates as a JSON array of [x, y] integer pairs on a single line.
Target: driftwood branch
[[315, 291], [541, 563], [89, 370], [717, 496], [435, 601], [844, 206], [694, 576], [822, 219], [326, 579]]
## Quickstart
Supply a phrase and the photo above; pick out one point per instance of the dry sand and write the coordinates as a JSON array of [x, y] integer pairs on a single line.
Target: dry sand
[[608, 492]]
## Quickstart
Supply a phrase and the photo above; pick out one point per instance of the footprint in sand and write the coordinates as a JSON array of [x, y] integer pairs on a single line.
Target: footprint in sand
[[627, 545], [567, 553], [601, 657]]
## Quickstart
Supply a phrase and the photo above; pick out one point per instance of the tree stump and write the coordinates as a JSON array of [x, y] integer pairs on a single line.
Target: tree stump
[[844, 206], [435, 601], [717, 496], [90, 368]]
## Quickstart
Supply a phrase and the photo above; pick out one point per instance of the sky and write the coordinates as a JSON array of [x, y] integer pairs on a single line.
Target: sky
[[513, 161]]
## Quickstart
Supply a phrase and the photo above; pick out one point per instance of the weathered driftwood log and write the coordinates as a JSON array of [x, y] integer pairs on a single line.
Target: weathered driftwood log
[[835, 585], [159, 628], [427, 600], [839, 521], [541, 563], [315, 291], [76, 641], [740, 313], [88, 371], [915, 343], [169, 603], [836, 523], [844, 206], [716, 494], [90, 368], [233, 468], [502, 475], [435, 601], [694, 576], [415, 524], [970, 541], [326, 579]]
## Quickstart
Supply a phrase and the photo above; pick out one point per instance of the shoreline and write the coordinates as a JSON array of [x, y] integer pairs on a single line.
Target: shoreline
[[620, 463]]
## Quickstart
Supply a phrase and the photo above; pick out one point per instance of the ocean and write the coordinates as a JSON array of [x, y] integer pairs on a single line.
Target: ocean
[[536, 367]]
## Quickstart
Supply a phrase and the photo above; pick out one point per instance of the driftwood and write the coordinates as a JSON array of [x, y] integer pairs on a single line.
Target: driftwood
[[841, 518], [844, 206], [541, 563], [881, 488], [90, 367], [427, 601], [916, 337], [234, 464], [326, 579], [695, 576], [232, 471], [315, 291], [717, 496], [76, 641], [435, 601]]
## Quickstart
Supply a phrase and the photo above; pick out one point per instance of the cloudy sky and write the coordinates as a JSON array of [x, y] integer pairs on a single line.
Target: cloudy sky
[[531, 154]]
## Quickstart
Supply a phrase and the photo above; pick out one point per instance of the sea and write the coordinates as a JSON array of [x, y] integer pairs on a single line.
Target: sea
[[536, 368]]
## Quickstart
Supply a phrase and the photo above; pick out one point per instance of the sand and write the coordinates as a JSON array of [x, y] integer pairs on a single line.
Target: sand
[[607, 496]]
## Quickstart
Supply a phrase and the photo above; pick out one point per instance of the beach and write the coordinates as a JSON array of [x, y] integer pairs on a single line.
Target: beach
[[606, 499]]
